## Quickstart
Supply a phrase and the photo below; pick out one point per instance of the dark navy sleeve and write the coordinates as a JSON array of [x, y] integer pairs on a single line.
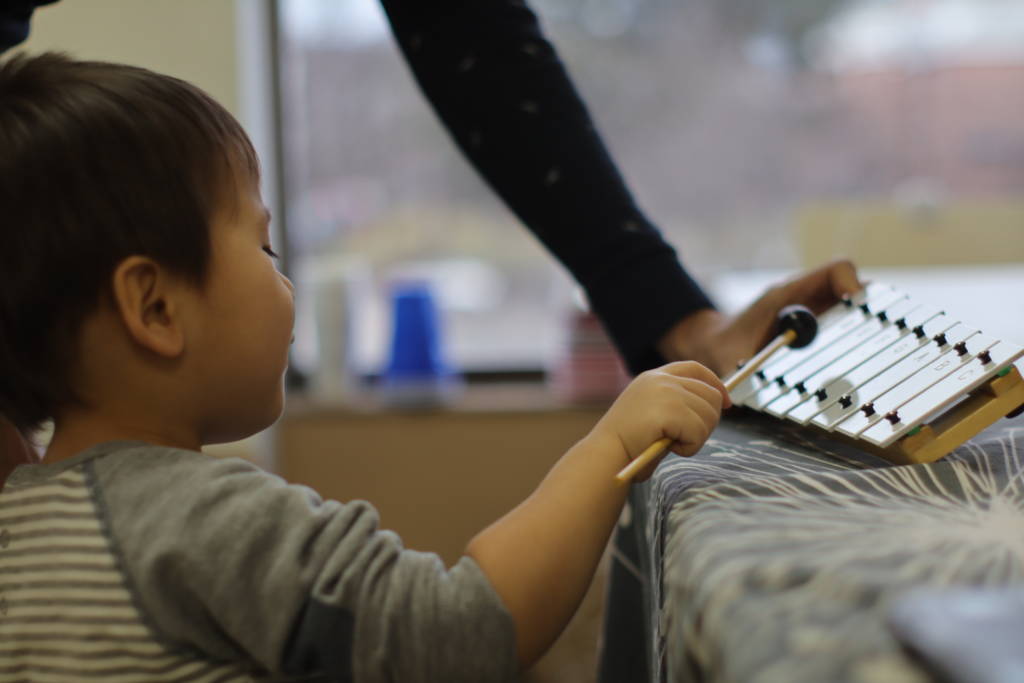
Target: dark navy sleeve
[[15, 20], [505, 97]]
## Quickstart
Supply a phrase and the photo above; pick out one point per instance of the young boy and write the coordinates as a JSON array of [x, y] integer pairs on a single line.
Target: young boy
[[141, 310]]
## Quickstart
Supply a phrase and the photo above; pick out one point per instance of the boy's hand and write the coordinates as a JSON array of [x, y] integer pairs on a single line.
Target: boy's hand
[[681, 401]]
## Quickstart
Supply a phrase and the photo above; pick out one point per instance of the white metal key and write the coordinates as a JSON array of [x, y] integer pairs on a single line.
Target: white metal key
[[809, 378], [903, 390], [850, 390], [827, 322], [948, 391], [845, 324]]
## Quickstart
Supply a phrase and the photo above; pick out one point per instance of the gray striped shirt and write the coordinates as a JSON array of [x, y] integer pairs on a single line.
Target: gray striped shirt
[[131, 562]]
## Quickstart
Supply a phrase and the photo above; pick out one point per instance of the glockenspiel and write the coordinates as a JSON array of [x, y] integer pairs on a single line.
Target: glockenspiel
[[898, 377]]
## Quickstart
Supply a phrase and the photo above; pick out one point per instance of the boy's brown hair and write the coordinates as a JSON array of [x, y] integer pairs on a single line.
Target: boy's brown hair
[[98, 162]]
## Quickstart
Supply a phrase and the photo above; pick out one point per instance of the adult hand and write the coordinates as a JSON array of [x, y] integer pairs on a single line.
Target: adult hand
[[720, 341]]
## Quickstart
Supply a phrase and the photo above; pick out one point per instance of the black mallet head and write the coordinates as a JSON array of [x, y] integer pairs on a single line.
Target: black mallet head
[[801, 321]]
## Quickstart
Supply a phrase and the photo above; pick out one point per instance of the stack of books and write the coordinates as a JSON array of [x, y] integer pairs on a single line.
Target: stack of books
[[589, 369]]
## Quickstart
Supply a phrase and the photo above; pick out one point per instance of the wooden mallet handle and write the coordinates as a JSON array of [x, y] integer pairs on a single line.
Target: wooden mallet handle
[[798, 330]]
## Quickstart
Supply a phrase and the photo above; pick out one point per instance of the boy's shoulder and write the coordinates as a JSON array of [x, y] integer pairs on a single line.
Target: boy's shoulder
[[140, 456], [129, 476], [116, 459], [141, 473]]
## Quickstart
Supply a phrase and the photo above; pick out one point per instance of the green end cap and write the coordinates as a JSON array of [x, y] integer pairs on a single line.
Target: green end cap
[[915, 430], [1004, 372]]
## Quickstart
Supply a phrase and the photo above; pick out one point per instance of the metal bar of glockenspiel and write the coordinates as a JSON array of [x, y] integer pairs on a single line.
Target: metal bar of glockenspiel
[[818, 396], [826, 321], [947, 392], [799, 379], [966, 375], [827, 337], [838, 379], [904, 389], [899, 360]]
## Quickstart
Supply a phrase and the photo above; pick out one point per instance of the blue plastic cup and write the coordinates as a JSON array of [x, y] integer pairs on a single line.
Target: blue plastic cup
[[416, 369]]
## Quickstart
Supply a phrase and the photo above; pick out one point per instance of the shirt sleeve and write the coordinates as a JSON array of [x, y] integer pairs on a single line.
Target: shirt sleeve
[[235, 563], [507, 101], [16, 19]]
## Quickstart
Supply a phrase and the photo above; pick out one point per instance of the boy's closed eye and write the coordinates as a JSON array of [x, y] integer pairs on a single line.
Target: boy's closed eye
[[266, 233]]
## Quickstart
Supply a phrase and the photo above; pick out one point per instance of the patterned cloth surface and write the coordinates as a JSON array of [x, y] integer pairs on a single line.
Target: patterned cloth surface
[[776, 554]]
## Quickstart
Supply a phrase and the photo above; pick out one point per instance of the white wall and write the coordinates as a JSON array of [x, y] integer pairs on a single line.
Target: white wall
[[195, 40]]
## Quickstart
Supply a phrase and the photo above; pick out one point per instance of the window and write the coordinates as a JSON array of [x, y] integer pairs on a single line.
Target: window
[[733, 121]]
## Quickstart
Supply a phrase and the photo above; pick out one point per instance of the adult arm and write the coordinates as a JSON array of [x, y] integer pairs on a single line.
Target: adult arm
[[509, 104], [505, 97], [15, 20]]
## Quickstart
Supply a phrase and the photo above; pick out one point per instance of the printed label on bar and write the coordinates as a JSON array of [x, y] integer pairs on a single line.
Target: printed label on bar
[[817, 396], [901, 391], [945, 393], [826, 338], [836, 322], [850, 390]]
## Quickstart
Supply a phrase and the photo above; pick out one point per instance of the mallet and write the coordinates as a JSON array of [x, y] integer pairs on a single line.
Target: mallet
[[796, 327]]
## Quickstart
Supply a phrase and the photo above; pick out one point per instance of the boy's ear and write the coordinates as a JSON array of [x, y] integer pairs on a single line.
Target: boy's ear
[[146, 299]]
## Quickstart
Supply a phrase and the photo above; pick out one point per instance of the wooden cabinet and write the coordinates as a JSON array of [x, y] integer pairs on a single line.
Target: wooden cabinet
[[437, 475]]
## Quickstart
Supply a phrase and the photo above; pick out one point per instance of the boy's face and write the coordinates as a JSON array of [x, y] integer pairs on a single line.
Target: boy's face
[[246, 315]]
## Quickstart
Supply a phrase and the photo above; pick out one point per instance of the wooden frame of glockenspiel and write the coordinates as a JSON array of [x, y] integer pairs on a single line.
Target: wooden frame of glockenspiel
[[943, 434], [995, 389]]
